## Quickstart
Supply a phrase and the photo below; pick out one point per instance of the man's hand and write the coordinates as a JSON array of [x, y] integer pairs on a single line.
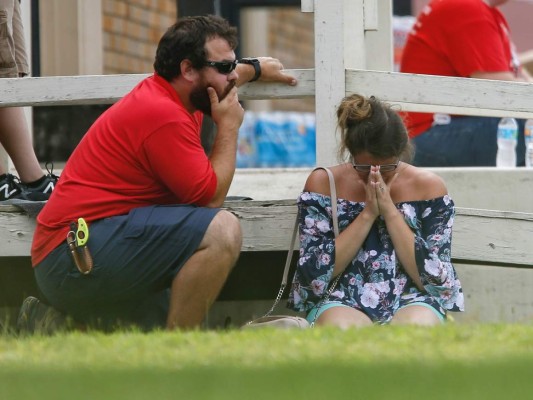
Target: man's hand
[[271, 71], [228, 113]]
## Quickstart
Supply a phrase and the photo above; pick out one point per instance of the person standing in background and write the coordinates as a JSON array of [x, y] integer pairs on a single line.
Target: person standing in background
[[14, 133], [461, 38]]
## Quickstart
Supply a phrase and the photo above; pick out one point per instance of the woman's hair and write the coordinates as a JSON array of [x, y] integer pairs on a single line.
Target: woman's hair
[[186, 40], [369, 125]]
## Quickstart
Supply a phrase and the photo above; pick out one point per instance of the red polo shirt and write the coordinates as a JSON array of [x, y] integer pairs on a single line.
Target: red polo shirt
[[144, 150]]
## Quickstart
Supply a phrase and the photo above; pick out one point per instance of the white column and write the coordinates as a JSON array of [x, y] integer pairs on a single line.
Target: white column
[[90, 37], [71, 37], [254, 27]]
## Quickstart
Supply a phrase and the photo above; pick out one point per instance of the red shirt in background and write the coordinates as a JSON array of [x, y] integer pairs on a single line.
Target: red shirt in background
[[456, 38], [144, 150]]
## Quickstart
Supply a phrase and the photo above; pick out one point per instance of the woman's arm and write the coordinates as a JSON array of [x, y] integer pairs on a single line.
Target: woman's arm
[[426, 257], [401, 234], [350, 240]]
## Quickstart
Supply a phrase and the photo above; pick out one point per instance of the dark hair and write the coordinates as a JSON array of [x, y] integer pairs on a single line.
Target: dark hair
[[186, 40], [367, 124]]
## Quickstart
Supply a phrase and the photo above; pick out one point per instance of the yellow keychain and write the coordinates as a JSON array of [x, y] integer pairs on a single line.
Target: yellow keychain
[[82, 233], [77, 242]]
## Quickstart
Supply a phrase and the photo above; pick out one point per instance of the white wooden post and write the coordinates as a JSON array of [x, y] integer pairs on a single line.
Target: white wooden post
[[308, 5], [339, 43], [378, 35]]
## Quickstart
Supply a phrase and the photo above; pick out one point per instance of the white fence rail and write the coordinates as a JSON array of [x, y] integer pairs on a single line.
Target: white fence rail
[[462, 96]]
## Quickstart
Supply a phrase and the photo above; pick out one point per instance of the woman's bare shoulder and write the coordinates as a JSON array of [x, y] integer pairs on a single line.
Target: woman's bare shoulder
[[317, 182], [427, 184]]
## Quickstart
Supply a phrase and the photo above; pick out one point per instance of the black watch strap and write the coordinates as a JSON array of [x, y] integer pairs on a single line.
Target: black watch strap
[[256, 64]]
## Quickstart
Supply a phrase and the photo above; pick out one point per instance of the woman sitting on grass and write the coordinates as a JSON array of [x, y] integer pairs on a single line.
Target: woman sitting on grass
[[395, 221]]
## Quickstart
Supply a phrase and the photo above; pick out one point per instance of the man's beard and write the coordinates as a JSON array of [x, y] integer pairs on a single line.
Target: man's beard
[[200, 98]]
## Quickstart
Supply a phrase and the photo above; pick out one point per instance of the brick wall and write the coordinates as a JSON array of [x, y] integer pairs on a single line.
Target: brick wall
[[132, 29]]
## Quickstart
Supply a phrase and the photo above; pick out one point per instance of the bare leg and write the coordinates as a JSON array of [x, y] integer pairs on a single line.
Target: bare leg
[[15, 138], [343, 317], [415, 315], [200, 280]]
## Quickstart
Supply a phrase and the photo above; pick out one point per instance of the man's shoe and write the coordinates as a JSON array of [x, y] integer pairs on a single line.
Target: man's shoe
[[37, 317], [10, 186]]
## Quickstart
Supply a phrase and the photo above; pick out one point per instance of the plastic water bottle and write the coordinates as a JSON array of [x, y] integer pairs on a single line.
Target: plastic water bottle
[[528, 135], [507, 138]]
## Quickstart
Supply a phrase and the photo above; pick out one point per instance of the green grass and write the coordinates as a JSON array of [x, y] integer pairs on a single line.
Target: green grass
[[453, 361]]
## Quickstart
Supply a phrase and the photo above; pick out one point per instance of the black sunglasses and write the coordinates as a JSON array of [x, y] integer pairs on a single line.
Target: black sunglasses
[[382, 168], [223, 67]]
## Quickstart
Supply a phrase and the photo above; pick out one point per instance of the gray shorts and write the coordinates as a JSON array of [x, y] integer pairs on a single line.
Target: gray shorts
[[136, 257]]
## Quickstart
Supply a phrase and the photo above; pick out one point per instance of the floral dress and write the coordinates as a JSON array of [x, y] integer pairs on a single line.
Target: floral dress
[[375, 281]]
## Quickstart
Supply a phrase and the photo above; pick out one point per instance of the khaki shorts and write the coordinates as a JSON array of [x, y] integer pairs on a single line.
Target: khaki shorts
[[13, 57]]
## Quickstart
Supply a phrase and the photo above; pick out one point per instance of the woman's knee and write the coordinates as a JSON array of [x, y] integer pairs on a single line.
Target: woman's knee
[[343, 317], [416, 315]]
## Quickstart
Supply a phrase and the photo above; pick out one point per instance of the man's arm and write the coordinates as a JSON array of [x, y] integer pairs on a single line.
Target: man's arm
[[271, 71], [227, 116]]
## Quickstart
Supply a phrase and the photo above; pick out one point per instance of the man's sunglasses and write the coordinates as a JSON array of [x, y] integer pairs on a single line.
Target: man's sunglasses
[[382, 168], [223, 67]]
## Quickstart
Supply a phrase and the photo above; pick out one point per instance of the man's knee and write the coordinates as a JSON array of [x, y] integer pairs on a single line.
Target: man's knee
[[227, 232]]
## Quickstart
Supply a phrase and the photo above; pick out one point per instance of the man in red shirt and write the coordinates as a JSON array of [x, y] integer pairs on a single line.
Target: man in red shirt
[[463, 38], [161, 248]]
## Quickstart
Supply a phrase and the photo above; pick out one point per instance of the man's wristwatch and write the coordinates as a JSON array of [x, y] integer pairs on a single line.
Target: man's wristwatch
[[256, 64]]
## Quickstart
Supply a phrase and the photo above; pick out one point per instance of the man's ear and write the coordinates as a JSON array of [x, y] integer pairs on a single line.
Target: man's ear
[[188, 71]]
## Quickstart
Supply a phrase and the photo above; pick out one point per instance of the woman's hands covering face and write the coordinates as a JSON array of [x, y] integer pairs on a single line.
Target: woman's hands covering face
[[378, 200]]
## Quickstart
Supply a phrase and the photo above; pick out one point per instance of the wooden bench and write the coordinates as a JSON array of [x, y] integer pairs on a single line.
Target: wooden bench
[[491, 251]]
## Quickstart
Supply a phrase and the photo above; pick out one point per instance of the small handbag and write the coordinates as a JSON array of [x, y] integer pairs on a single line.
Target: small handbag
[[291, 321]]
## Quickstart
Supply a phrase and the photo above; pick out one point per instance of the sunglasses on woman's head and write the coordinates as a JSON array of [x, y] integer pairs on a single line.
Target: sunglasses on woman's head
[[223, 67], [382, 168]]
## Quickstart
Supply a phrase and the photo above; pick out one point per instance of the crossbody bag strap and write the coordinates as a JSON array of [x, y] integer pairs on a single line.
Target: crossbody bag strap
[[335, 218], [333, 196], [287, 266]]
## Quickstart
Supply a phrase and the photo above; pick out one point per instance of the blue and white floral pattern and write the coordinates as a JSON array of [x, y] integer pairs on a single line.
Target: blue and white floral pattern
[[375, 281]]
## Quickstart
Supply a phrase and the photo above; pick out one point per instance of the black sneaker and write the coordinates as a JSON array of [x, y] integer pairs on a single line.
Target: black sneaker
[[10, 186], [41, 192], [37, 317]]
